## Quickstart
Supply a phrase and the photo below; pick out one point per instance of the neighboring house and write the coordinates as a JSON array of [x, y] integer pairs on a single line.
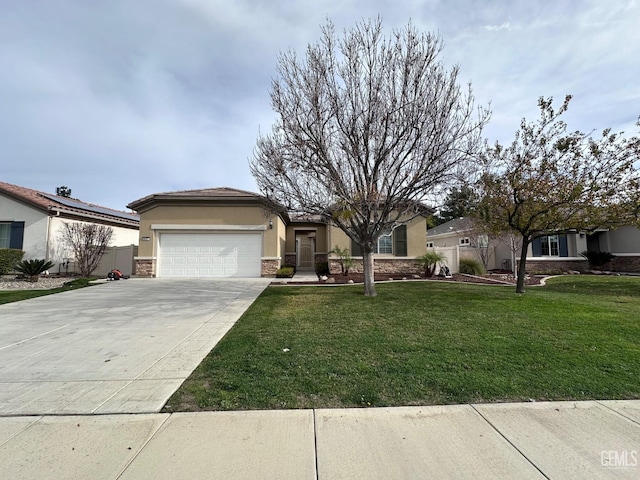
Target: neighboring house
[[459, 238], [32, 221], [545, 254], [224, 232]]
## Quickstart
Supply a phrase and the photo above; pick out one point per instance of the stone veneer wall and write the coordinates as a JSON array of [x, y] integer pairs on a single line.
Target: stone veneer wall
[[270, 267], [322, 257], [552, 266], [144, 267], [623, 264], [381, 265], [629, 264]]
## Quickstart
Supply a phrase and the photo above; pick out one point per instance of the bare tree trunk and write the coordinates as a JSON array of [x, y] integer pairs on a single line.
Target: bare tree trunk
[[369, 279], [522, 265]]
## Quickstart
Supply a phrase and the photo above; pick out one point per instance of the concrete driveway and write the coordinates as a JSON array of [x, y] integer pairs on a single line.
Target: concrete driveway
[[118, 347]]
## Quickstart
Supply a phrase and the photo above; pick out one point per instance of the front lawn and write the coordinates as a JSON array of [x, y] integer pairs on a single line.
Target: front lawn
[[423, 343]]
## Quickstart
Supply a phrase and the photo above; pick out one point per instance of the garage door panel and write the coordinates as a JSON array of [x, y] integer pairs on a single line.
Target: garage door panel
[[210, 254]]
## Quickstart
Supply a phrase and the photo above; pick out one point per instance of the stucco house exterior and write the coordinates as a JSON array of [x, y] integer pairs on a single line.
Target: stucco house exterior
[[549, 253], [32, 221], [225, 232]]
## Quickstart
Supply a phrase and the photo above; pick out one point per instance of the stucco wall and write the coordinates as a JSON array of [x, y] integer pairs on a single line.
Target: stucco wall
[[273, 238], [121, 237], [321, 236], [42, 232], [416, 238], [36, 223], [621, 240]]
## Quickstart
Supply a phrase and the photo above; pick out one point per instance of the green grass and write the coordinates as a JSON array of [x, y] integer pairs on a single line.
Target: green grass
[[422, 343], [9, 296]]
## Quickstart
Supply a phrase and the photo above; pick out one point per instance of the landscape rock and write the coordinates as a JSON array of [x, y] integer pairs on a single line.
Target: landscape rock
[[10, 282]]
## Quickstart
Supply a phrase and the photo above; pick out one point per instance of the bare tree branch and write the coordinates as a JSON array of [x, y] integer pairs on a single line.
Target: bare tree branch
[[368, 127], [88, 241]]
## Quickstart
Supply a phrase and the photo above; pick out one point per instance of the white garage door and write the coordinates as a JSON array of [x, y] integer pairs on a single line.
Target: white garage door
[[210, 254]]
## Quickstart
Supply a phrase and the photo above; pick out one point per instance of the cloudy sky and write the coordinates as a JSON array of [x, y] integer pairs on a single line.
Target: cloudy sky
[[124, 98]]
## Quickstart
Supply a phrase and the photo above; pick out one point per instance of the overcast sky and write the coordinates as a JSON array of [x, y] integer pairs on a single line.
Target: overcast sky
[[119, 99]]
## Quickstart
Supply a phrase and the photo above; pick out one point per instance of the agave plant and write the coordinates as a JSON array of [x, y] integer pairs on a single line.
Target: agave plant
[[33, 268], [597, 259]]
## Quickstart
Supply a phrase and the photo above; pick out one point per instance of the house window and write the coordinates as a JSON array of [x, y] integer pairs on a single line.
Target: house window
[[464, 241], [430, 245], [483, 241], [5, 235], [549, 246], [385, 244]]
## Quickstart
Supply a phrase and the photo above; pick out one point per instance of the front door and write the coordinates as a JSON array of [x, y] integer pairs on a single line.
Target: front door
[[306, 252]]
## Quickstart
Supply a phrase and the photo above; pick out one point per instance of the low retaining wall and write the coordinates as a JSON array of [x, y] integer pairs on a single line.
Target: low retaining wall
[[380, 265], [556, 266], [630, 264], [626, 264]]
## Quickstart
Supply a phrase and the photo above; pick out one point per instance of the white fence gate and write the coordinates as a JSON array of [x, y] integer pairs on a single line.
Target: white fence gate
[[452, 255]]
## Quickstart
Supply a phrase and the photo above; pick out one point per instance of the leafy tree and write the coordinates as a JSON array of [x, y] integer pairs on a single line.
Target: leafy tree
[[460, 202], [88, 241], [367, 127], [549, 181]]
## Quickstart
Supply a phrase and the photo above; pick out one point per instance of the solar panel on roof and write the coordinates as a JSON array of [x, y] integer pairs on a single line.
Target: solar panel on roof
[[91, 208]]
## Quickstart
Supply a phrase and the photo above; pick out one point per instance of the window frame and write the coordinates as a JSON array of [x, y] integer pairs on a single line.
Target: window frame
[[550, 244], [388, 237], [8, 235]]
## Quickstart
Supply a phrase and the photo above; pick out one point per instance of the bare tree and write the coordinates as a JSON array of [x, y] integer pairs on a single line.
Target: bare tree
[[367, 128], [480, 241], [549, 181], [88, 241]]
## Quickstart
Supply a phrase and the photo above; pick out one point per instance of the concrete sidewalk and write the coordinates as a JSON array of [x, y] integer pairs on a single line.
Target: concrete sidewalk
[[560, 440]]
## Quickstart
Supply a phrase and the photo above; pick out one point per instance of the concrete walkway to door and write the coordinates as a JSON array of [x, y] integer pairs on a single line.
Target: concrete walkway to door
[[118, 347]]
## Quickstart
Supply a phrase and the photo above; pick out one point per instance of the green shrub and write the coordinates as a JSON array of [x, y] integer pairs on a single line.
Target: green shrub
[[597, 259], [33, 268], [285, 272], [429, 261], [471, 266], [9, 258], [322, 268]]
